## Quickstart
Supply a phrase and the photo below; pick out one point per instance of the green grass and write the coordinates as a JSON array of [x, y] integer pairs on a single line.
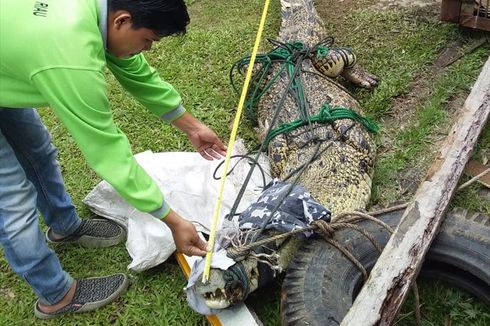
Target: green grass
[[393, 45], [446, 304]]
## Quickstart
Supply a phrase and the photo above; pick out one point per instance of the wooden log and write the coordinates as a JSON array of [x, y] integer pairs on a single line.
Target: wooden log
[[382, 296]]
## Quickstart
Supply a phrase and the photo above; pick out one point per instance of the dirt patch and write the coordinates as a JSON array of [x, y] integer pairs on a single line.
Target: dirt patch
[[7, 294], [402, 110], [403, 107], [392, 4], [484, 194], [343, 7]]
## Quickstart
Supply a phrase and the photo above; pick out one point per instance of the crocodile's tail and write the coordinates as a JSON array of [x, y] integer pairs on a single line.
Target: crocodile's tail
[[300, 21]]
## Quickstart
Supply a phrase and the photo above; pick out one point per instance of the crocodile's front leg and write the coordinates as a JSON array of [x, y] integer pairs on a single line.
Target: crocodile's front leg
[[360, 77]]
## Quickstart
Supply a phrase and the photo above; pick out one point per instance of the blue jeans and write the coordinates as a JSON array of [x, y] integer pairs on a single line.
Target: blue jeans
[[30, 180]]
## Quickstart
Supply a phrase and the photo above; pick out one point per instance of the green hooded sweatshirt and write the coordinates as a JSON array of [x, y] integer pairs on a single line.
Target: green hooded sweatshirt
[[52, 53]]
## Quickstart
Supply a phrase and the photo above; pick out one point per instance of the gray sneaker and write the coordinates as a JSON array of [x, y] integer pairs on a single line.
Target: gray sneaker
[[92, 233], [90, 294]]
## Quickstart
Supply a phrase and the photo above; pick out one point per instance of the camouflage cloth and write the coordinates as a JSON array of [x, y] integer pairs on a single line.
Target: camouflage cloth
[[297, 210]]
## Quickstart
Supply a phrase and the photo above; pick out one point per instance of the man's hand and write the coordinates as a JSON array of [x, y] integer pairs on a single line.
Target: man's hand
[[207, 143], [204, 140], [185, 235]]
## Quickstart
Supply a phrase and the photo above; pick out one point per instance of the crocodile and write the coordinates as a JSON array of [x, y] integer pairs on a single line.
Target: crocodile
[[336, 159]]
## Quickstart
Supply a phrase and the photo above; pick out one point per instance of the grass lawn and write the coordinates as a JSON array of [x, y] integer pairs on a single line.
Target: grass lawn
[[398, 46]]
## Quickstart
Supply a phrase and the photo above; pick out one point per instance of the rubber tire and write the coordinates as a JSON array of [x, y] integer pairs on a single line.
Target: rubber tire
[[321, 284]]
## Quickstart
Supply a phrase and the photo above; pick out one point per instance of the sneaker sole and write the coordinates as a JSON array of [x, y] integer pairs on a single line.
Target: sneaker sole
[[92, 242], [88, 306]]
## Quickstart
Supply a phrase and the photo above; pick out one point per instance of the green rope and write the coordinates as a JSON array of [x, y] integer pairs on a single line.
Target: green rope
[[327, 114], [280, 54], [322, 51], [288, 53]]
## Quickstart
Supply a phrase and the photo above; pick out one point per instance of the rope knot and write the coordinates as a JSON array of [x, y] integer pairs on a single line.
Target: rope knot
[[298, 46], [237, 254], [324, 228], [325, 115]]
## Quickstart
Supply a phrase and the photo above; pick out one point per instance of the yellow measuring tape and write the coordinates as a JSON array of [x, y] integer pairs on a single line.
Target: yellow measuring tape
[[212, 236]]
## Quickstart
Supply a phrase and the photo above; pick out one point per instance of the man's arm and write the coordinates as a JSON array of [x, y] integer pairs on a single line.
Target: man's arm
[[144, 83], [78, 98]]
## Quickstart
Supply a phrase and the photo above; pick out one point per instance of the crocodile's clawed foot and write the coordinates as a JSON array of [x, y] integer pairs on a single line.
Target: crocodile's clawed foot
[[360, 77]]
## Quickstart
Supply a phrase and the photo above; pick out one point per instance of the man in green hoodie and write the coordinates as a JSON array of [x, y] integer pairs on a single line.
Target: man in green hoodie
[[53, 53]]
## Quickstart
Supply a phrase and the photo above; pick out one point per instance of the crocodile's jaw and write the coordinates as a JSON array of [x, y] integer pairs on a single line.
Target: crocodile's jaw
[[217, 303], [220, 294], [213, 292]]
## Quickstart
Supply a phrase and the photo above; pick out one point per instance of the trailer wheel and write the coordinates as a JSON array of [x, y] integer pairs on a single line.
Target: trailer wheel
[[321, 284]]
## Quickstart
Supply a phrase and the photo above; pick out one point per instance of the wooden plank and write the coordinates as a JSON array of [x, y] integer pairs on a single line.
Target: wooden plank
[[472, 21], [236, 315], [450, 10], [381, 297]]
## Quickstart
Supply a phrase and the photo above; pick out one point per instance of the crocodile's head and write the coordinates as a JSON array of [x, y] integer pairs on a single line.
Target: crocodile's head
[[259, 267], [226, 288]]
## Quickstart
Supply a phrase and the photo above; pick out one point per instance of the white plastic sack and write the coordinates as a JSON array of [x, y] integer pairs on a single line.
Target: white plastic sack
[[149, 242], [186, 181]]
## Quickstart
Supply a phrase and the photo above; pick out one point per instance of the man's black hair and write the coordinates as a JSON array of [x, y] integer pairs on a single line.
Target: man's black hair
[[164, 17]]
